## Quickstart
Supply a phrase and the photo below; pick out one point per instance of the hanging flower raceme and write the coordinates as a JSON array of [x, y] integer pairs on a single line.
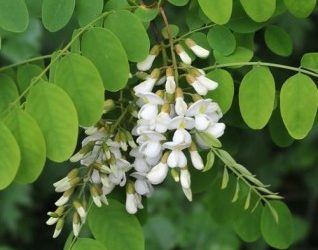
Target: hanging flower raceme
[[167, 128]]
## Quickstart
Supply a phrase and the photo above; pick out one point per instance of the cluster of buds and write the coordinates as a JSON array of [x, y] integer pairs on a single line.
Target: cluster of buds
[[67, 185], [104, 165]]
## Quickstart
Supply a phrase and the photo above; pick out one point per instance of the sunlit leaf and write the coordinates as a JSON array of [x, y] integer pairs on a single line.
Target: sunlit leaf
[[257, 97], [9, 155], [31, 143], [14, 15], [81, 80], [298, 105], [56, 115], [131, 32], [104, 49]]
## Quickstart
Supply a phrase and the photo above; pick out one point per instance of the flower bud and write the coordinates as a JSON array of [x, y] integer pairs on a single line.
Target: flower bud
[[147, 63], [198, 87], [109, 105], [76, 223], [196, 159], [80, 210], [188, 193], [196, 49], [175, 174], [181, 106], [149, 83], [159, 172], [95, 196], [58, 228], [183, 55], [185, 178], [170, 82], [64, 198]]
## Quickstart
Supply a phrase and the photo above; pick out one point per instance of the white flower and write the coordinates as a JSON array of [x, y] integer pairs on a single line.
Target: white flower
[[147, 85], [118, 171], [183, 55], [176, 158], [95, 177], [150, 108], [197, 50], [185, 179], [216, 130], [208, 83], [142, 184], [205, 113], [181, 122], [181, 136], [147, 63], [162, 122], [133, 199], [150, 143]]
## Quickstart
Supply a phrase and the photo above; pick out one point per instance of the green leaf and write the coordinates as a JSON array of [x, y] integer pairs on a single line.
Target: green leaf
[[277, 234], [14, 15], [146, 14], [241, 54], [300, 8], [226, 157], [110, 222], [86, 243], [310, 61], [259, 11], [221, 39], [240, 22], [57, 13], [218, 11], [9, 155], [220, 204], [210, 140], [8, 93], [178, 2], [257, 97], [131, 32], [278, 40], [247, 225], [278, 131], [116, 4], [298, 105], [56, 115], [224, 93], [104, 49], [26, 73], [87, 11], [209, 161], [81, 81], [225, 179], [32, 145]]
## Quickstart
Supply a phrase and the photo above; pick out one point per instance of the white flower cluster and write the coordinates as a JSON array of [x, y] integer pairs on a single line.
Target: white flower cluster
[[168, 126]]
